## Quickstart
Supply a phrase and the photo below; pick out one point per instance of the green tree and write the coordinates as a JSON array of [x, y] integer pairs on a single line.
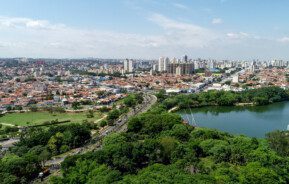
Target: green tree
[[33, 108], [130, 101], [113, 115], [44, 156], [103, 175], [254, 173], [55, 142], [279, 141], [168, 145], [75, 105], [90, 114], [103, 123]]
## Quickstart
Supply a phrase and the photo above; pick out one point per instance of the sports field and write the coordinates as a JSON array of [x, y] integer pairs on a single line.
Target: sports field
[[35, 118]]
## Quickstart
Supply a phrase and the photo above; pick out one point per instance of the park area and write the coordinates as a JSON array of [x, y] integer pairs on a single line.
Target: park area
[[37, 118]]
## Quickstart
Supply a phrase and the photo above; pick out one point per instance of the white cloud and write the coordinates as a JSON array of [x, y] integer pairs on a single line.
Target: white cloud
[[284, 39], [217, 21], [41, 38], [180, 6], [16, 22], [239, 35], [184, 34], [172, 24]]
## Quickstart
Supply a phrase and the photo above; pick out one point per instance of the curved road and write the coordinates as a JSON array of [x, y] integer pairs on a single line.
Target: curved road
[[120, 126]]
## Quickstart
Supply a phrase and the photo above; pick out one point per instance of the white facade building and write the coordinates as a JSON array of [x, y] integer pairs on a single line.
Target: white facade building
[[128, 66], [235, 79], [163, 64]]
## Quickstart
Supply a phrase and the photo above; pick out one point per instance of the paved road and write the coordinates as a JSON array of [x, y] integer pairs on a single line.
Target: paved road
[[8, 143], [229, 78], [120, 126]]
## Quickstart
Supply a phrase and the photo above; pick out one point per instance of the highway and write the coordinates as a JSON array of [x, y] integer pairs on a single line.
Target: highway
[[96, 142]]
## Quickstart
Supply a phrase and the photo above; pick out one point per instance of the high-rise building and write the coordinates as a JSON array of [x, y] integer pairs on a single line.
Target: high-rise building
[[125, 65], [181, 68], [279, 63], [161, 64], [175, 66], [211, 64], [128, 66], [155, 67], [174, 60], [178, 70], [253, 66], [197, 64], [187, 68], [185, 58], [166, 62], [172, 68]]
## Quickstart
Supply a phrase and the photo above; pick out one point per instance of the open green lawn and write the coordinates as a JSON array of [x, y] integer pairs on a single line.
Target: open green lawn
[[39, 117]]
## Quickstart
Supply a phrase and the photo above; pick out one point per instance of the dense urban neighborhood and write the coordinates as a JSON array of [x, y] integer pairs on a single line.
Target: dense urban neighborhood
[[38, 83]]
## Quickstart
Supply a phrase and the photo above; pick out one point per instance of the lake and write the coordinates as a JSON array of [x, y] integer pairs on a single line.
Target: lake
[[250, 121]]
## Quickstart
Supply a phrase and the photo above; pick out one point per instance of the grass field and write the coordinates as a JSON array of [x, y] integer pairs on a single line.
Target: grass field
[[35, 118]]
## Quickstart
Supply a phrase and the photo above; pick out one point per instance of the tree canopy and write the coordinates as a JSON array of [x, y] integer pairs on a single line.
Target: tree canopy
[[159, 148]]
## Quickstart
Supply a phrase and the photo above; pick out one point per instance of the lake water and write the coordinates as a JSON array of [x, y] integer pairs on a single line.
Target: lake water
[[250, 121]]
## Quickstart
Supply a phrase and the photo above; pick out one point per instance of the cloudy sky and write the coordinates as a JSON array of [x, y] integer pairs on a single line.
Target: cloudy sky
[[221, 29]]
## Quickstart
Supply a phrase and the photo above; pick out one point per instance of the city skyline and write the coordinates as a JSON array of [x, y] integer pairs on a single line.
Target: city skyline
[[219, 29]]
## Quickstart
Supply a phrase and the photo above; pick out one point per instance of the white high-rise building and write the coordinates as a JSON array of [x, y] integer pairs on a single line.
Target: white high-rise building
[[279, 63], [128, 66], [197, 64], [174, 60], [178, 71], [125, 65], [155, 67], [166, 62], [211, 64], [161, 64], [253, 67]]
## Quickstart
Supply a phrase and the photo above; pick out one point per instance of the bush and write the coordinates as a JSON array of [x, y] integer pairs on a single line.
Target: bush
[[90, 114], [9, 129], [64, 148], [33, 108], [90, 124], [103, 123], [104, 109]]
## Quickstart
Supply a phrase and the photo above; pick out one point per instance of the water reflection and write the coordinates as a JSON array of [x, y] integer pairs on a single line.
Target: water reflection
[[251, 121], [216, 110]]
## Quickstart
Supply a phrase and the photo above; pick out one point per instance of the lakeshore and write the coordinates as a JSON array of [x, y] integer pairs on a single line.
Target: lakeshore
[[253, 121]]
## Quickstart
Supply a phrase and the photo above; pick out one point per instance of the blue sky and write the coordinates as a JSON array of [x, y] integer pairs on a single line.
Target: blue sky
[[221, 29]]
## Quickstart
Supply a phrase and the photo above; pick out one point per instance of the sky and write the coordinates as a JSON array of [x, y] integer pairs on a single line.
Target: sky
[[145, 29]]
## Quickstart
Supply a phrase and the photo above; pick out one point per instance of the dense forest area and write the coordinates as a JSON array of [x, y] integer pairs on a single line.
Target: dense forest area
[[261, 96], [159, 148], [26, 159]]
